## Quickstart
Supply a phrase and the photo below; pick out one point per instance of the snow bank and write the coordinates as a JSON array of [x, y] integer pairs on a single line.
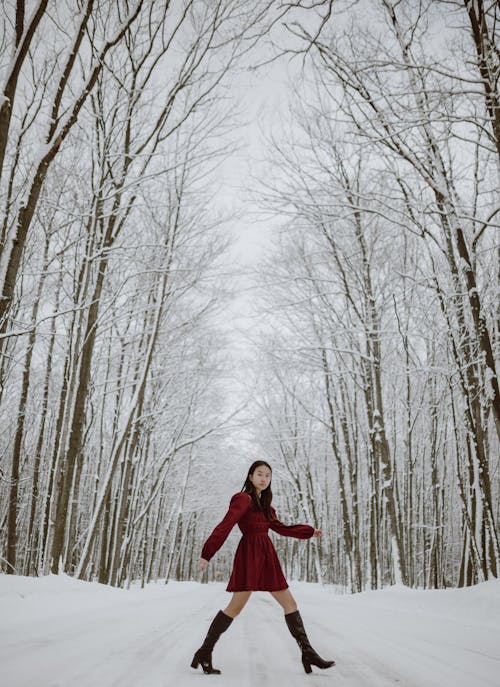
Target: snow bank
[[56, 631]]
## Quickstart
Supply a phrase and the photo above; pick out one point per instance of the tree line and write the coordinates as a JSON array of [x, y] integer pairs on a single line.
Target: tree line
[[376, 393], [381, 393], [113, 120]]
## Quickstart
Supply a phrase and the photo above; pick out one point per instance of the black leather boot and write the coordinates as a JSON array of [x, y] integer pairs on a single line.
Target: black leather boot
[[309, 656], [204, 654]]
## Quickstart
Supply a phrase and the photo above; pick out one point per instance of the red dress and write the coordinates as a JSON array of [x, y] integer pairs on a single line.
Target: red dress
[[256, 566]]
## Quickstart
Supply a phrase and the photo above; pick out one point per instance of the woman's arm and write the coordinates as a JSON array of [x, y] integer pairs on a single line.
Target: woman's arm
[[297, 531], [238, 506]]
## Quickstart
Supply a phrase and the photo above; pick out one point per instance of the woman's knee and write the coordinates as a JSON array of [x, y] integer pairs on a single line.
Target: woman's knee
[[236, 605], [286, 601]]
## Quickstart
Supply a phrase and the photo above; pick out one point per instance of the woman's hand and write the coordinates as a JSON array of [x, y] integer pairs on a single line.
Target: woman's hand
[[202, 564], [317, 533]]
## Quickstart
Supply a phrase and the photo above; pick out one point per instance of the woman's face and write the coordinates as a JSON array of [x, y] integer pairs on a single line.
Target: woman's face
[[260, 478]]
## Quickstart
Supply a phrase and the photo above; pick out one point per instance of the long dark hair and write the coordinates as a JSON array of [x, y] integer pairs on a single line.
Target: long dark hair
[[266, 495]]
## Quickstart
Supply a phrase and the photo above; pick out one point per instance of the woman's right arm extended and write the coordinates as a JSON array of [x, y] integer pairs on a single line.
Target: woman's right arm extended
[[238, 506]]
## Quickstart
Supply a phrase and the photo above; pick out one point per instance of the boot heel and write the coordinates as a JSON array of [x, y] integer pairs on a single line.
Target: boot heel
[[220, 624], [307, 666]]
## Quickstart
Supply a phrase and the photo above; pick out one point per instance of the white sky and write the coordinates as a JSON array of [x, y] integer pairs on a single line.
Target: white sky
[[260, 95]]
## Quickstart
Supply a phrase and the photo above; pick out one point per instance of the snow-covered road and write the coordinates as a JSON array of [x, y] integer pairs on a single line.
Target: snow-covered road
[[58, 632]]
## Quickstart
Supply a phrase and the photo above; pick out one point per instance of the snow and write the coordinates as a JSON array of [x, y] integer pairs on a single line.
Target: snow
[[56, 631]]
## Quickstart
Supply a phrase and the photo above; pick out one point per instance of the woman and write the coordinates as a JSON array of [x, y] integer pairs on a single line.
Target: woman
[[256, 566]]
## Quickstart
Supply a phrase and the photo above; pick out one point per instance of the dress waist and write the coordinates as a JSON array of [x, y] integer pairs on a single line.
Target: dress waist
[[263, 533]]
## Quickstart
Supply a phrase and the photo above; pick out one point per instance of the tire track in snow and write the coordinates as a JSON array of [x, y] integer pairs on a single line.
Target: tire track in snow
[[148, 639], [138, 633], [412, 651]]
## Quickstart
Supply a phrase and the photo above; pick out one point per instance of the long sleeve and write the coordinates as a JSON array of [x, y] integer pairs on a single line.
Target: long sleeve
[[297, 531], [238, 506]]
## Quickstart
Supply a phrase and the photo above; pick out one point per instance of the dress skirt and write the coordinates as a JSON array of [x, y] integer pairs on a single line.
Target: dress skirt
[[256, 566]]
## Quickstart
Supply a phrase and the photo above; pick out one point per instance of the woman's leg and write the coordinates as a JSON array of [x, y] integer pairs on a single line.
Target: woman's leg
[[220, 624], [294, 623], [285, 599], [237, 603]]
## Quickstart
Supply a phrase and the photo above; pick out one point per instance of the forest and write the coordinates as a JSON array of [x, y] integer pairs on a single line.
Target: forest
[[366, 373]]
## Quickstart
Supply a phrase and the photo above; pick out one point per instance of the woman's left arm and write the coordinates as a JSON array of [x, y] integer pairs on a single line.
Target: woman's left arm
[[297, 531]]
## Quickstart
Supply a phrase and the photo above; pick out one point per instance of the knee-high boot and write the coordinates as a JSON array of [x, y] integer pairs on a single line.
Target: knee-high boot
[[309, 656], [204, 654]]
